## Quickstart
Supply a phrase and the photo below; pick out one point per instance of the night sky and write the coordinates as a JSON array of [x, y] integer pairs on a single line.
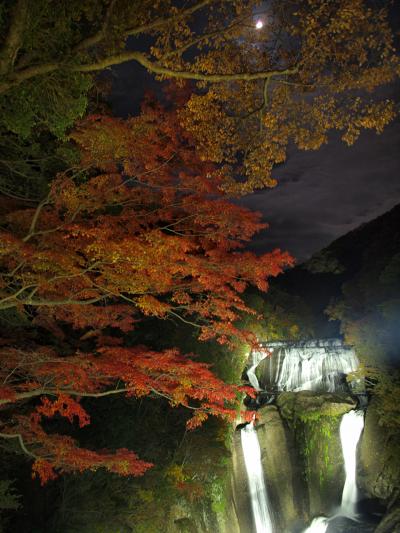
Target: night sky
[[324, 194], [321, 194]]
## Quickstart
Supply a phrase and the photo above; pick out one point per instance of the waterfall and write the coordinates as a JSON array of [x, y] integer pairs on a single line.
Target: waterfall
[[318, 525], [255, 475], [351, 427], [317, 365], [257, 357]]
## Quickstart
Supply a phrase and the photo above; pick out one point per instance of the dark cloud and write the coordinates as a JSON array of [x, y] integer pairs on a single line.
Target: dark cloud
[[324, 194]]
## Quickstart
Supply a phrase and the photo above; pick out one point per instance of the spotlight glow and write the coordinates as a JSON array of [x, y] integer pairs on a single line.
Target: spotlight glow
[[259, 24]]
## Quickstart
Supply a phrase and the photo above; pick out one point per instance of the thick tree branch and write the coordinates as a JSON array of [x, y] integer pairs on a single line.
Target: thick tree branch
[[156, 68], [20, 76], [12, 301], [51, 303]]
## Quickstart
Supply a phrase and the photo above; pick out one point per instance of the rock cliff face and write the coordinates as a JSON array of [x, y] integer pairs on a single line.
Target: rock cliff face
[[379, 475], [241, 505], [281, 467], [379, 468], [314, 419], [303, 464], [301, 457]]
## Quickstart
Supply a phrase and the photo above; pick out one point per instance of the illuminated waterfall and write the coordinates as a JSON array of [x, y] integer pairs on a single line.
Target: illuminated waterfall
[[318, 525], [351, 427], [257, 357], [255, 475], [317, 365]]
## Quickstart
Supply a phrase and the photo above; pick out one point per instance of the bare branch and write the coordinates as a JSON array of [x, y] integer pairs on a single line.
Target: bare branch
[[165, 21], [100, 35], [51, 303], [14, 296], [183, 319], [18, 436], [35, 218], [12, 300], [55, 392], [200, 38]]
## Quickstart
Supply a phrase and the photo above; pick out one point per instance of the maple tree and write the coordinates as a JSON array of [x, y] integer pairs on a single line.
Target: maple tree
[[141, 228], [314, 67]]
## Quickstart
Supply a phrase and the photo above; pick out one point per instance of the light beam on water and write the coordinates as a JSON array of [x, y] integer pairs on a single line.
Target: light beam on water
[[255, 475]]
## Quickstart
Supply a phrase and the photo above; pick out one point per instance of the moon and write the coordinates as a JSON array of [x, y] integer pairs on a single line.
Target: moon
[[259, 24]]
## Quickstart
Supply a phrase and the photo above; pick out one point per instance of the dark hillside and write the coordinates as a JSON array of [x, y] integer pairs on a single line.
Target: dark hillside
[[353, 287]]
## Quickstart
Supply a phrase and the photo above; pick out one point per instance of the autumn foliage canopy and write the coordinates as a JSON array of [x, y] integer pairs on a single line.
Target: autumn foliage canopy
[[140, 228], [143, 227]]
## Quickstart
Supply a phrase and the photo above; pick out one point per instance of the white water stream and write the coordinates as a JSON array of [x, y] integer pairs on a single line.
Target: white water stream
[[255, 474], [317, 365], [318, 525], [310, 365], [257, 357], [351, 426]]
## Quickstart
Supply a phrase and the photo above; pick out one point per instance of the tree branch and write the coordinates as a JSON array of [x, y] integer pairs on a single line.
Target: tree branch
[[164, 22], [55, 392], [99, 36], [35, 218], [14, 297], [19, 77], [183, 319], [13, 41], [158, 69], [18, 436], [44, 303], [200, 38], [51, 303]]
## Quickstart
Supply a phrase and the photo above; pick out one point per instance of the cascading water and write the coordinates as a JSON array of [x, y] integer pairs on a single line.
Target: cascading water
[[317, 365], [351, 427], [255, 475], [257, 357], [318, 525]]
